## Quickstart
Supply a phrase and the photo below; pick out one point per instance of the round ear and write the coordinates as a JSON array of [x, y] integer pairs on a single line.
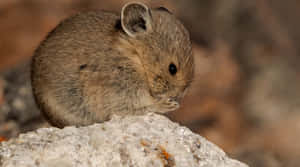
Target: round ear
[[136, 19]]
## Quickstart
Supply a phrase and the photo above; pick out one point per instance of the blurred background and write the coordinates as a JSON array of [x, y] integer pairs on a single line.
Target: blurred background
[[246, 93]]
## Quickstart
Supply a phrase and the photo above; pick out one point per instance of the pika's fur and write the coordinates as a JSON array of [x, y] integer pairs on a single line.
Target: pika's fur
[[96, 64]]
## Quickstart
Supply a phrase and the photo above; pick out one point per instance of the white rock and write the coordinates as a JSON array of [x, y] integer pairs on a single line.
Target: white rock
[[135, 141]]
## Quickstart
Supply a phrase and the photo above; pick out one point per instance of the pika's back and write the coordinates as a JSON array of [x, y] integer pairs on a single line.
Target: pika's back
[[68, 49], [78, 34]]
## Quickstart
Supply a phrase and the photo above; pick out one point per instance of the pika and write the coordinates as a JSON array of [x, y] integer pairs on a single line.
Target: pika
[[96, 64]]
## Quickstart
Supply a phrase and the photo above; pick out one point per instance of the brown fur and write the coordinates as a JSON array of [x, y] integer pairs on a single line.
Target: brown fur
[[91, 66]]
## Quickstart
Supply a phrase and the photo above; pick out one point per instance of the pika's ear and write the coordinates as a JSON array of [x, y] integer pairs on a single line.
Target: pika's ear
[[136, 19]]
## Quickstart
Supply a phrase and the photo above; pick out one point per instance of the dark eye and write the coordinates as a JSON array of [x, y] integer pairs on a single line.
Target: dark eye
[[172, 69]]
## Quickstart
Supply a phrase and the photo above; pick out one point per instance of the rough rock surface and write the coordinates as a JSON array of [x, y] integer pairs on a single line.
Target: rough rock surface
[[142, 141]]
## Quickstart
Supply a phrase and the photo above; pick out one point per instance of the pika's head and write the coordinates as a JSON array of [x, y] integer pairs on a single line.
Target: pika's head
[[163, 47]]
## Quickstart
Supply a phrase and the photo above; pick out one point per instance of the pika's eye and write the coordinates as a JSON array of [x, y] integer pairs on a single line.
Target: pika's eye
[[172, 69]]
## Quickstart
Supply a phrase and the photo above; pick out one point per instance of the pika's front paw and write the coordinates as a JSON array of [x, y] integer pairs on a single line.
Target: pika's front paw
[[167, 105]]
